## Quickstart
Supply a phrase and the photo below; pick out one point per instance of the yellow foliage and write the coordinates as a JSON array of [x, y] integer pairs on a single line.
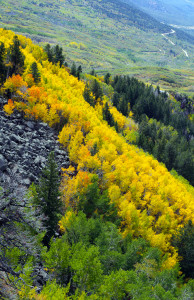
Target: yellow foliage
[[9, 108], [29, 80], [65, 221], [15, 83], [114, 193], [74, 146], [151, 201]]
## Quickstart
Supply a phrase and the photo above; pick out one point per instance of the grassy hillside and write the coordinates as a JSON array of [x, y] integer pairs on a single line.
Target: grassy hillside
[[107, 35]]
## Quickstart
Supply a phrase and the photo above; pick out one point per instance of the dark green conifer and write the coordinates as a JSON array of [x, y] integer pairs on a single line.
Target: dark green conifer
[[107, 78], [48, 198], [58, 55], [73, 69], [107, 115], [184, 241], [2, 64], [49, 52], [15, 57], [35, 72], [96, 90], [115, 100], [79, 71], [87, 95], [93, 73]]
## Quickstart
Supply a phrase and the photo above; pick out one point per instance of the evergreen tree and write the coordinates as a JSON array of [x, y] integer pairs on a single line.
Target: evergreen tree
[[87, 95], [115, 100], [55, 54], [184, 241], [170, 154], [49, 52], [73, 69], [107, 78], [79, 71], [93, 73], [185, 165], [15, 57], [58, 55], [35, 72], [48, 197], [107, 115], [123, 107], [96, 90], [2, 64]]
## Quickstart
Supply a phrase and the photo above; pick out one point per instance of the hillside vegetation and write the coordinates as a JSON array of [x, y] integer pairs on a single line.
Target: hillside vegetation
[[117, 37], [124, 215]]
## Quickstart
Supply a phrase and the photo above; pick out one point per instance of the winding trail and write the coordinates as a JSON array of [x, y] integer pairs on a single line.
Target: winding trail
[[185, 53], [167, 33], [171, 42]]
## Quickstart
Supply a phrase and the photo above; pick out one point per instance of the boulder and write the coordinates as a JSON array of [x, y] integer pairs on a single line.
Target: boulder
[[3, 163], [30, 124]]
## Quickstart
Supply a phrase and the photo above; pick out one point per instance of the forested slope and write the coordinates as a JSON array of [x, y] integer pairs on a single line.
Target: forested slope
[[121, 207], [166, 127]]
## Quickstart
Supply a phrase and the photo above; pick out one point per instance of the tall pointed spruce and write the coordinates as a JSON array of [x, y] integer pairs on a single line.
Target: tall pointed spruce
[[35, 72], [15, 57], [48, 197], [3, 68]]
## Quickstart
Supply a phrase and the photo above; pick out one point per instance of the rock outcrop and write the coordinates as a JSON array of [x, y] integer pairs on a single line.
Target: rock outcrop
[[24, 148]]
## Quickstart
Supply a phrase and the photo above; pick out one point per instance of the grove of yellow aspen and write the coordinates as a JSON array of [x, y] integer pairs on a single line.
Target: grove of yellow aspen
[[151, 201]]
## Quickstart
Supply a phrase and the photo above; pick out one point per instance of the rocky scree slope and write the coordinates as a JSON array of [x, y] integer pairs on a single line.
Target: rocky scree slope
[[24, 149]]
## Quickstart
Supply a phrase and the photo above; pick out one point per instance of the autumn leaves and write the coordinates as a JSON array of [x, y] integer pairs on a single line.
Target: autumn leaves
[[151, 202]]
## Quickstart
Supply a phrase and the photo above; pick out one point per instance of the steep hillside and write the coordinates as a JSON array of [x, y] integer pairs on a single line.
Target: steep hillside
[[117, 234], [115, 36], [127, 173]]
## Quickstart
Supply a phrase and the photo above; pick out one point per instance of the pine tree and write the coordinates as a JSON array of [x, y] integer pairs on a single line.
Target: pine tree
[[93, 73], [115, 100], [96, 90], [107, 78], [15, 57], [48, 198], [73, 69], [107, 115], [35, 72], [49, 52], [79, 71], [87, 95], [184, 242], [58, 55], [2, 64]]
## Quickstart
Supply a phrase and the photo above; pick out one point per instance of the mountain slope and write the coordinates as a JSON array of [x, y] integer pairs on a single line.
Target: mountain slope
[[116, 36], [142, 189], [121, 207]]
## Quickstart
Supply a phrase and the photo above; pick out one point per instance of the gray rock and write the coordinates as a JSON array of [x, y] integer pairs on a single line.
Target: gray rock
[[40, 160], [30, 124], [26, 182], [3, 163], [44, 125], [16, 138]]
